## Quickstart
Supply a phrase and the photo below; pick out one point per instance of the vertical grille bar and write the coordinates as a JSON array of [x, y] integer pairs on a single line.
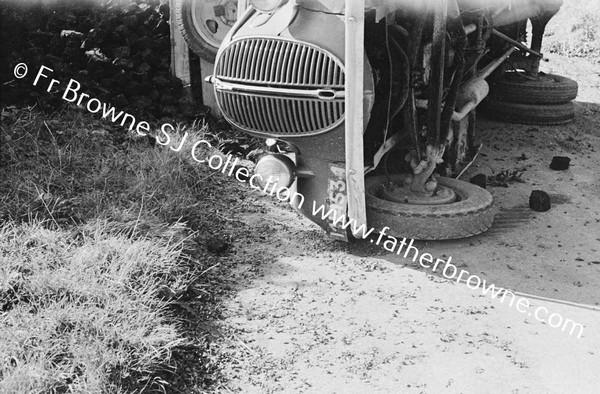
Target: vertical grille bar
[[264, 115], [273, 63], [268, 61], [270, 123], [254, 52]]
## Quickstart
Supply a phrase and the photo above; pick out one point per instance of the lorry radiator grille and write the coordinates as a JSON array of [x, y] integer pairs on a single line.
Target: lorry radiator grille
[[296, 72]]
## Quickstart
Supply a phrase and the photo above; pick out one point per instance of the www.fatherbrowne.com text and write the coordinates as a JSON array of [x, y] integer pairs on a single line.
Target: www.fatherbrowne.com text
[[229, 166]]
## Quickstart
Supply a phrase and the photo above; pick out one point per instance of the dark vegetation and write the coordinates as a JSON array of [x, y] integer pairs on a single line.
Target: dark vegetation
[[118, 51], [109, 281]]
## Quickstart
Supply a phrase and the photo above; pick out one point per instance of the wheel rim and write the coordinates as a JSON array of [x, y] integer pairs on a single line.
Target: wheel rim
[[443, 195], [521, 77], [399, 192], [213, 18]]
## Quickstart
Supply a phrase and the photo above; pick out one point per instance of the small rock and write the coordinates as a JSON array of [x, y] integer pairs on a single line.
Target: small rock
[[100, 133], [144, 68], [132, 8], [71, 35], [123, 63], [121, 52], [522, 157], [479, 180], [560, 163], [94, 37], [96, 55], [539, 201]]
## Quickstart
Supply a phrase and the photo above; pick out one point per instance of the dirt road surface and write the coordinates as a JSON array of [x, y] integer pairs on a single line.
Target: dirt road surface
[[313, 315]]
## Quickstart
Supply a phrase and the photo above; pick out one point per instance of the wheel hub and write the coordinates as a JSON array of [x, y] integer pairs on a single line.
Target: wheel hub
[[403, 194]]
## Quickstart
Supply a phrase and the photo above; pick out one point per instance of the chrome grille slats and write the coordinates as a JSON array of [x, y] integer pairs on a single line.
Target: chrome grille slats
[[324, 70], [301, 61], [336, 76], [307, 114], [241, 110], [294, 69], [234, 61], [289, 69], [306, 65], [281, 117], [288, 76], [299, 110], [267, 54], [312, 68], [252, 111], [247, 60], [327, 111], [287, 117], [263, 116], [290, 107], [273, 64], [270, 108], [330, 74], [276, 61], [253, 59]]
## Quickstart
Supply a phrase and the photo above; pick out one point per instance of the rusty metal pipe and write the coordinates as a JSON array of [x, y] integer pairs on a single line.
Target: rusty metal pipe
[[489, 69], [516, 43], [436, 80]]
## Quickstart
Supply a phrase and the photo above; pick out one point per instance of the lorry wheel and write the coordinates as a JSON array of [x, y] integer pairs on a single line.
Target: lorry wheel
[[204, 24], [545, 115], [515, 87], [469, 215]]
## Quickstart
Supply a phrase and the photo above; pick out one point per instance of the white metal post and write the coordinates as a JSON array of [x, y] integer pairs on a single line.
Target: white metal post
[[354, 64]]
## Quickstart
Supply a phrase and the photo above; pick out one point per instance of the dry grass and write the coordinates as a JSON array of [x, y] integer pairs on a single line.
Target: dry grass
[[100, 252], [85, 316], [69, 167], [575, 30]]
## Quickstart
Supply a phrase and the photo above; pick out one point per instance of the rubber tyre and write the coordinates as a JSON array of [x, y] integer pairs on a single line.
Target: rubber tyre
[[471, 215], [199, 39], [530, 114], [513, 87]]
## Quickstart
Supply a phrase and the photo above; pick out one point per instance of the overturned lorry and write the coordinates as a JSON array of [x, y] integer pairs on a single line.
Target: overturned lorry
[[367, 107]]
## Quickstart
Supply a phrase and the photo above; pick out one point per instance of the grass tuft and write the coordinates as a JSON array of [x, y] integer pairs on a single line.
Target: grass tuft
[[102, 265], [85, 317], [575, 30]]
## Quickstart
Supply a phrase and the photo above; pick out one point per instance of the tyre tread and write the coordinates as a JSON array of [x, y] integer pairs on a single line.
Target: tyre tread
[[195, 43], [451, 221], [531, 114], [561, 90]]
